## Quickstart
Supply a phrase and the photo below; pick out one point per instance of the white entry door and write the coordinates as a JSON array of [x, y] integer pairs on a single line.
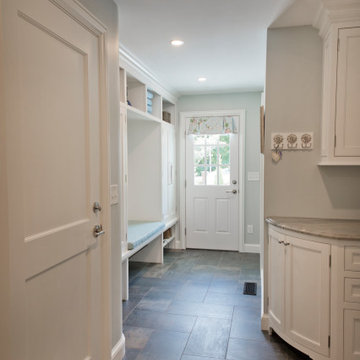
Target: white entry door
[[57, 159], [212, 191]]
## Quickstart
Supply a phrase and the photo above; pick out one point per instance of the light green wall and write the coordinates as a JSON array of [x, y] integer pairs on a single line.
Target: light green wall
[[296, 186], [250, 102]]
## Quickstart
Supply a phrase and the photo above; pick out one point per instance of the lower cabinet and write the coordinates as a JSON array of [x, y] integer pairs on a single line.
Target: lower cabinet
[[352, 334], [299, 291]]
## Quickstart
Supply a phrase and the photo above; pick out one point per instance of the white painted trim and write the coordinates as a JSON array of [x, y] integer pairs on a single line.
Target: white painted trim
[[137, 68], [182, 170], [265, 322], [251, 248], [118, 351]]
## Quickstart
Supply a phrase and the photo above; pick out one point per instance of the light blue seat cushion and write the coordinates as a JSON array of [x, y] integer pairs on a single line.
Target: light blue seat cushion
[[141, 231]]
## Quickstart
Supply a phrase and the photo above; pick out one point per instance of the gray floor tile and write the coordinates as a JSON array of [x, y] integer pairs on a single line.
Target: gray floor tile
[[240, 349], [131, 354], [136, 337], [156, 300], [247, 301], [192, 357], [158, 320], [246, 324], [129, 305], [192, 308], [209, 338], [200, 309], [164, 345]]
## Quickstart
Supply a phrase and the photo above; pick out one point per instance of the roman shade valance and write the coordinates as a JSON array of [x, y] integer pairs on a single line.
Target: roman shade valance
[[212, 125]]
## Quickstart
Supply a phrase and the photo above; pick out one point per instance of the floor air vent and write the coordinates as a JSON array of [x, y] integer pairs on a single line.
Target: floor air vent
[[250, 288]]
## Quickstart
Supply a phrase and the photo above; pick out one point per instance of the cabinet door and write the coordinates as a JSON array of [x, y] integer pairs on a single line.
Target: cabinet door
[[307, 293], [347, 96], [171, 175], [164, 151], [352, 335], [276, 279]]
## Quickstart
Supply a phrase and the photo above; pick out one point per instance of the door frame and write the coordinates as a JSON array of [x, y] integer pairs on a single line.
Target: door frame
[[182, 169], [16, 300]]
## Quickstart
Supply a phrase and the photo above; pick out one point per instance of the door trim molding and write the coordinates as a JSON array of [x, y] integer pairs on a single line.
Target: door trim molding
[[182, 170]]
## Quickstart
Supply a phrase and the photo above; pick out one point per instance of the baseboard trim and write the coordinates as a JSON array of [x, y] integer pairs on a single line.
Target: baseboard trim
[[118, 351], [252, 248], [265, 322]]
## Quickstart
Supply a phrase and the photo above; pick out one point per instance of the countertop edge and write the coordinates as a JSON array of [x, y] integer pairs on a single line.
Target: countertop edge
[[272, 221]]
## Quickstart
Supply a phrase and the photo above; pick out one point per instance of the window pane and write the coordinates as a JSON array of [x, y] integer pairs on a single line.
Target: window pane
[[211, 176], [212, 139], [199, 139], [224, 175], [224, 155], [224, 139], [199, 175], [212, 154], [199, 155]]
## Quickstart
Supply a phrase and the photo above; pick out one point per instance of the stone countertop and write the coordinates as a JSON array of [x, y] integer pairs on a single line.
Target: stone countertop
[[328, 228]]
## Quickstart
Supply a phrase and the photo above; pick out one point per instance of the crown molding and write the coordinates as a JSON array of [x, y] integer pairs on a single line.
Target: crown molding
[[335, 12], [135, 65]]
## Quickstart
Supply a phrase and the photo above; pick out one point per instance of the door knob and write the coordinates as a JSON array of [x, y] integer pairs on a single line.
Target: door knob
[[234, 182], [96, 207], [232, 191], [98, 231]]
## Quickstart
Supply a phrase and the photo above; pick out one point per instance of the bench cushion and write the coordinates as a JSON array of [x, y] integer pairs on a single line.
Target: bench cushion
[[141, 231]]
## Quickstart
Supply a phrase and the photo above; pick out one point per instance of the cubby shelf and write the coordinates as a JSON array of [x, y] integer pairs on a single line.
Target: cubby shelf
[[136, 114]]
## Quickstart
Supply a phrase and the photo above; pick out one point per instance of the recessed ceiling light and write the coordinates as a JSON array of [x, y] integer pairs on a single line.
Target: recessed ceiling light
[[176, 42], [202, 79]]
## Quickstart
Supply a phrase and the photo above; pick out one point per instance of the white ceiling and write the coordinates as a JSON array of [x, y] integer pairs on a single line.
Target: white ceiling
[[225, 41]]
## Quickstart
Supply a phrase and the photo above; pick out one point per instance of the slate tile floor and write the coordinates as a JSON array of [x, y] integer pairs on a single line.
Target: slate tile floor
[[192, 308]]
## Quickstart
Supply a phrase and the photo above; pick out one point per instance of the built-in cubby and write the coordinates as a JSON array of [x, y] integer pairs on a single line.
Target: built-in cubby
[[144, 171], [168, 111], [136, 93], [148, 185]]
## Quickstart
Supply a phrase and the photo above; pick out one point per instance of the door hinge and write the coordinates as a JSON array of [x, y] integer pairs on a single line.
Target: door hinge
[[185, 231], [267, 301], [334, 140], [329, 341], [185, 183], [329, 260]]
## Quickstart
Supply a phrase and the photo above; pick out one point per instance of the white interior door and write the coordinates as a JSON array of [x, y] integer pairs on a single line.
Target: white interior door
[[55, 136], [212, 191]]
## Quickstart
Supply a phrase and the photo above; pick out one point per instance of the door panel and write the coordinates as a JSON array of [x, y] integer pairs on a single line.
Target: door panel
[[307, 293], [276, 280], [222, 215], [56, 177], [212, 209]]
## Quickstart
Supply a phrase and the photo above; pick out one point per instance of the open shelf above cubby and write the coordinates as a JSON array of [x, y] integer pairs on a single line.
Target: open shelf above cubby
[[135, 114], [168, 111], [136, 93]]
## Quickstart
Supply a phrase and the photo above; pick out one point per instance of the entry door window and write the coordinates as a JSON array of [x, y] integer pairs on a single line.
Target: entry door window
[[211, 159]]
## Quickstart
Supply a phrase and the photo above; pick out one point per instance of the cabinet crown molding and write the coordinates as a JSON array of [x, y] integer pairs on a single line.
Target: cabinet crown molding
[[334, 12]]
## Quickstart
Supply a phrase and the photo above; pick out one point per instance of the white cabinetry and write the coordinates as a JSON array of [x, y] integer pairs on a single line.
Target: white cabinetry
[[168, 171], [340, 29], [299, 303], [314, 293]]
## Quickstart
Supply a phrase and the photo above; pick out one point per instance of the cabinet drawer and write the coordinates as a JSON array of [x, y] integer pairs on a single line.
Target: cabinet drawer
[[352, 259], [352, 290]]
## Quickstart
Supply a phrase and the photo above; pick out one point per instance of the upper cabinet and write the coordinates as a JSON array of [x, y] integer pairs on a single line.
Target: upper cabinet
[[340, 29]]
